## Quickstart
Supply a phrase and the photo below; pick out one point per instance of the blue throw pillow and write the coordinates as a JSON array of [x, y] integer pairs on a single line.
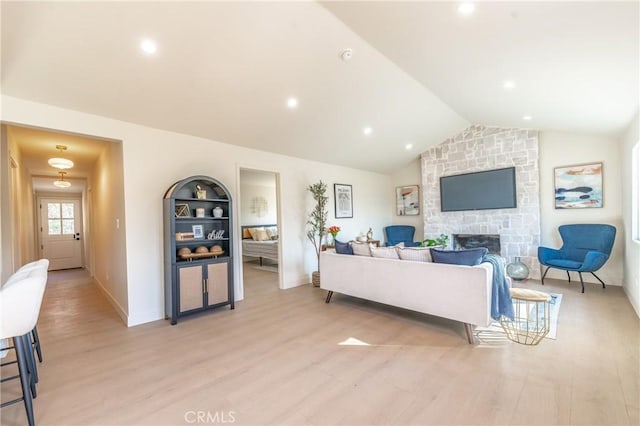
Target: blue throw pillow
[[469, 257], [343, 248]]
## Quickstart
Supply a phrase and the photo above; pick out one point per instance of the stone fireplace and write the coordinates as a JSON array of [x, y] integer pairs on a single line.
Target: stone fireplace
[[467, 241], [480, 148]]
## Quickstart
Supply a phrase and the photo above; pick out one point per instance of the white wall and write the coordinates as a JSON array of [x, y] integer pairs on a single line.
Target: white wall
[[19, 213], [108, 227], [563, 149], [255, 188], [632, 248], [411, 174], [154, 159], [6, 261]]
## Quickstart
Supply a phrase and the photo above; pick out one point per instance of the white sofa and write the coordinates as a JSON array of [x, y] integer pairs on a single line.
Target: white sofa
[[460, 293]]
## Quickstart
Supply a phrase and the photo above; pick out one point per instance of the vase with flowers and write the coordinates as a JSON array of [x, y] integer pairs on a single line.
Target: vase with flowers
[[333, 230]]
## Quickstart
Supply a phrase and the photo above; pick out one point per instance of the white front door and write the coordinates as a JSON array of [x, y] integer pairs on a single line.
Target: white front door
[[60, 233]]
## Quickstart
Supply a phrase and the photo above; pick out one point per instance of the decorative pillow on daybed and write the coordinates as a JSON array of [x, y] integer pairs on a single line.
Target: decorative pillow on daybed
[[254, 232], [343, 248], [272, 232], [384, 252], [417, 254], [469, 257], [262, 235]]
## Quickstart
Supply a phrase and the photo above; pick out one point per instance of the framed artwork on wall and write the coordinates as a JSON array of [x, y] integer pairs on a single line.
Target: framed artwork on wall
[[408, 200], [343, 200], [578, 186]]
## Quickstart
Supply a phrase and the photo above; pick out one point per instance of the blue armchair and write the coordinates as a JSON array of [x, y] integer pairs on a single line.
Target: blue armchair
[[585, 248], [395, 234]]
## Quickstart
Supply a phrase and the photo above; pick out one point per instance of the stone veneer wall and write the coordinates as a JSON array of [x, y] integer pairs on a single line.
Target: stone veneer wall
[[481, 148]]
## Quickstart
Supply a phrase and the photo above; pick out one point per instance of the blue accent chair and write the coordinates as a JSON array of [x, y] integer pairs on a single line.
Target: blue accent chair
[[585, 248], [395, 234]]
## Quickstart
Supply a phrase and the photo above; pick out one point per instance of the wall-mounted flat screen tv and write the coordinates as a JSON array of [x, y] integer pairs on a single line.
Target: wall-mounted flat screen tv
[[491, 189]]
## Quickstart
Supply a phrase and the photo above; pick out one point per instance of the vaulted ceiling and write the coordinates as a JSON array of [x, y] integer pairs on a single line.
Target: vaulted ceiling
[[419, 71]]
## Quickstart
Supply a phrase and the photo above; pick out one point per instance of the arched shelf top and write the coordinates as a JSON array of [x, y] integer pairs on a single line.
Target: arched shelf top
[[187, 189]]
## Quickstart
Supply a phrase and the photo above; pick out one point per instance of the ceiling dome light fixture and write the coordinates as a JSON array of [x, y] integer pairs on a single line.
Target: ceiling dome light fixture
[[58, 162], [527, 117], [367, 131], [466, 8], [61, 183], [408, 146]]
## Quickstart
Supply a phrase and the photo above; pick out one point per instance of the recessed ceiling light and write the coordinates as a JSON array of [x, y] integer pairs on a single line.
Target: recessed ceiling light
[[466, 8], [367, 131], [148, 46], [408, 146], [527, 117], [292, 103], [509, 84]]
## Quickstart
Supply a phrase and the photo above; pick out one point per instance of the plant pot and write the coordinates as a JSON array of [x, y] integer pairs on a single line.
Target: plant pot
[[315, 278]]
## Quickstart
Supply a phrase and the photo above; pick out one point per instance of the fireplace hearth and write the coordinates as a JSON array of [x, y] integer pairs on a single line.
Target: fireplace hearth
[[467, 241]]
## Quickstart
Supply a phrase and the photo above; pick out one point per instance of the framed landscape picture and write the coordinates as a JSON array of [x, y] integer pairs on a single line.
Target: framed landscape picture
[[343, 198], [579, 186], [408, 200]]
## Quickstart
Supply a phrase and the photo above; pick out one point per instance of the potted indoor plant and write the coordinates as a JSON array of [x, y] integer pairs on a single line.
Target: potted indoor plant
[[317, 223], [442, 241]]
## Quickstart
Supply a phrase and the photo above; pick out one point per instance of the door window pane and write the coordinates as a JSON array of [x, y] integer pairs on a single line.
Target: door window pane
[[67, 226], [60, 218], [53, 210], [67, 210], [54, 227]]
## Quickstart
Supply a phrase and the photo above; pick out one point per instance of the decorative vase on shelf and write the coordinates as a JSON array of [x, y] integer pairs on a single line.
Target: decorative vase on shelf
[[517, 270], [217, 212]]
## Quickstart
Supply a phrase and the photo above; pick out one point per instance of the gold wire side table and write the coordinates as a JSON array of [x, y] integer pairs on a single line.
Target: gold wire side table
[[532, 313]]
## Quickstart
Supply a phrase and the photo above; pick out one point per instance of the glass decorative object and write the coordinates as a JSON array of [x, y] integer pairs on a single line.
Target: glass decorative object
[[517, 270]]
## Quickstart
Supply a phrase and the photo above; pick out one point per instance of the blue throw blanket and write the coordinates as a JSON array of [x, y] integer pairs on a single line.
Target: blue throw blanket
[[500, 296]]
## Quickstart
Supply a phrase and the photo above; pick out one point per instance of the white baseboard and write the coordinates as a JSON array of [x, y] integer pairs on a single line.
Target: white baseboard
[[122, 313]]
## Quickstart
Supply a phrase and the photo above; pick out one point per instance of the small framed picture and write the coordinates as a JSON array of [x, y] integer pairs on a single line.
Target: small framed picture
[[343, 200], [182, 210], [408, 200], [198, 232]]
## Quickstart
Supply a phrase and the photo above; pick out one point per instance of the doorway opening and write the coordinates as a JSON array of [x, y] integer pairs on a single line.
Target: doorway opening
[[260, 244], [76, 225], [60, 232]]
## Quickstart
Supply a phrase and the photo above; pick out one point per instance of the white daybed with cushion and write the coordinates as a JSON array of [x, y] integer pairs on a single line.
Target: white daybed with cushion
[[457, 292], [260, 241]]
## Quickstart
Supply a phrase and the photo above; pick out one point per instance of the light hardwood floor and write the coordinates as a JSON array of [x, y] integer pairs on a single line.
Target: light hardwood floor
[[277, 359]]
